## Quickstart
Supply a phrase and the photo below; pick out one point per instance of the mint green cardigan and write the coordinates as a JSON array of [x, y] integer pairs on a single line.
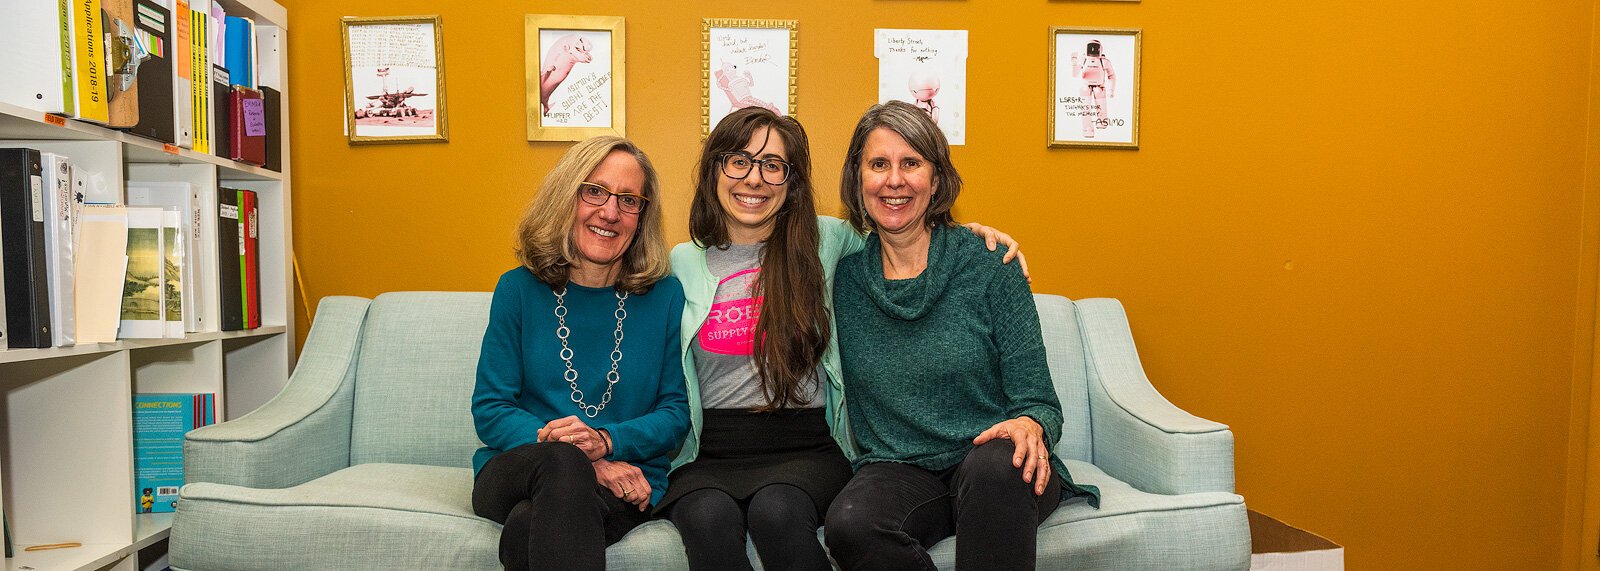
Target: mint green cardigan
[[836, 240]]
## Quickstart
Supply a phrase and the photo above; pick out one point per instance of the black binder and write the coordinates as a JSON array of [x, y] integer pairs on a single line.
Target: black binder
[[156, 114], [27, 295], [229, 247], [272, 106]]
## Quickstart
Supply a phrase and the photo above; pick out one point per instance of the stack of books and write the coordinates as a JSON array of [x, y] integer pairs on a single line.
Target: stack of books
[[173, 259], [180, 72]]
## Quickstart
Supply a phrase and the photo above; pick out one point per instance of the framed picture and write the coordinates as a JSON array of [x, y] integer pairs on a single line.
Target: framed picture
[[747, 63], [394, 79], [1094, 87], [928, 69], [576, 76]]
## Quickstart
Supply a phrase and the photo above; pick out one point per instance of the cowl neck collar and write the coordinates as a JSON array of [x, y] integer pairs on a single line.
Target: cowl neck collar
[[913, 298]]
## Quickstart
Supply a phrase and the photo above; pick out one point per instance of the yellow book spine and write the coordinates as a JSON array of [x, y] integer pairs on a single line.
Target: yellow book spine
[[201, 83], [90, 59], [69, 103]]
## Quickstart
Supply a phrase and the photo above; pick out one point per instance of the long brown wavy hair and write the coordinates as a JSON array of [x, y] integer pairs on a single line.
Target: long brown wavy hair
[[793, 331]]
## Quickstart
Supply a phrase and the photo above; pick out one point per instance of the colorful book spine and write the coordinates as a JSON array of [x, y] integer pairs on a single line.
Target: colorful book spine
[[250, 228], [68, 67], [160, 422], [89, 57], [247, 126], [200, 79]]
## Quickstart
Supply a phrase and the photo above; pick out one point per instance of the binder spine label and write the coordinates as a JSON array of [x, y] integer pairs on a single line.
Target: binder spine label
[[38, 197]]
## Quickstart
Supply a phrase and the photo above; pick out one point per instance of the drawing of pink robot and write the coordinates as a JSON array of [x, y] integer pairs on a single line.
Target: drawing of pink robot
[[735, 83], [924, 85], [1099, 84], [568, 51]]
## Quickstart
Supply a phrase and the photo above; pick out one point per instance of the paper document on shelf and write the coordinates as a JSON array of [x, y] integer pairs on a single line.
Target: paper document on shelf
[[102, 261]]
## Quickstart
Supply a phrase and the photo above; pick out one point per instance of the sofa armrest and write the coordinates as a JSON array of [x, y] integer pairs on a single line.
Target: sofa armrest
[[1140, 437], [302, 433]]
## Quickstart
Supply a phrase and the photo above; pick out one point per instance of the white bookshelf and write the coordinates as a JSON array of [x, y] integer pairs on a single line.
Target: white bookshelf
[[66, 413]]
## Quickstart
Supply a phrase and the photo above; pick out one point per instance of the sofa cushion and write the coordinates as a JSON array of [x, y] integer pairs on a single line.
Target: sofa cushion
[[414, 378], [371, 516], [1063, 348]]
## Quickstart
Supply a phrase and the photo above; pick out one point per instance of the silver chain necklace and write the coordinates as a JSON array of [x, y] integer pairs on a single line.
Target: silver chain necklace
[[571, 375]]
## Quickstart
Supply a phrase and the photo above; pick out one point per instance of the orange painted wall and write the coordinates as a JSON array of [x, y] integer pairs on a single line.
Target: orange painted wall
[[1352, 233]]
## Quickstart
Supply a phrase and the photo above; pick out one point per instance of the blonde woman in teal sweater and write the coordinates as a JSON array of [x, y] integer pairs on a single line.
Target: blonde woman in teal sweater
[[950, 396], [767, 448]]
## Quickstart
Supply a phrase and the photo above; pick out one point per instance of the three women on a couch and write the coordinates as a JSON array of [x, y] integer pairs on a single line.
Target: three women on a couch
[[766, 451]]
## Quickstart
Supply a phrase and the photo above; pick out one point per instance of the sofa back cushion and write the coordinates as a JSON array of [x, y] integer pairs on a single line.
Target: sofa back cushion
[[415, 371], [1063, 343]]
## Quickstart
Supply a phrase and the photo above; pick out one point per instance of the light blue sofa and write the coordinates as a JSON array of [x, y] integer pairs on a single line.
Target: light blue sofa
[[364, 460]]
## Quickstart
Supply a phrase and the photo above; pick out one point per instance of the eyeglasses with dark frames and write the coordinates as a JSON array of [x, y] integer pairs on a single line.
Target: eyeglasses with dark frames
[[737, 166], [598, 195]]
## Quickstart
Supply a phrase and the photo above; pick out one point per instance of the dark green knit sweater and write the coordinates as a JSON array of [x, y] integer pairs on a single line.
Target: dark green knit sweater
[[931, 362]]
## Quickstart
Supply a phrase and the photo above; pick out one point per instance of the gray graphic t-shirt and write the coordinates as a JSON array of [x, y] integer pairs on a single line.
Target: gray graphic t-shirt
[[726, 340]]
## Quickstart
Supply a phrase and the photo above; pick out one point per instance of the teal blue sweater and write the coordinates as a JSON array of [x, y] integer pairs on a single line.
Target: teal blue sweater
[[520, 384], [931, 362]]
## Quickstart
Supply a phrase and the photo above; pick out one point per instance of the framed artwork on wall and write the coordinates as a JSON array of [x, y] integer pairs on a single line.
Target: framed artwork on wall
[[928, 69], [576, 72], [746, 63], [394, 79], [1094, 87]]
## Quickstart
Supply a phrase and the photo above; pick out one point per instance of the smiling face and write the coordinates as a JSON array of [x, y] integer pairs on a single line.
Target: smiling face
[[897, 183], [751, 204], [603, 233]]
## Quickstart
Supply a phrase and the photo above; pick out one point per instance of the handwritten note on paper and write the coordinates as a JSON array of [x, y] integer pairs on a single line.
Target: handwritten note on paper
[[928, 69], [255, 118], [405, 45]]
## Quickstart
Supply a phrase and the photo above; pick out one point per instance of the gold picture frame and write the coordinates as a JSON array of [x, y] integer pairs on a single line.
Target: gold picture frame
[[576, 76], [388, 62], [744, 74], [1092, 103]]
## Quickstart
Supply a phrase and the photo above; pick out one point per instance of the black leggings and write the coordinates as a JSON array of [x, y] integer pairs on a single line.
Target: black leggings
[[890, 514], [781, 519], [553, 511]]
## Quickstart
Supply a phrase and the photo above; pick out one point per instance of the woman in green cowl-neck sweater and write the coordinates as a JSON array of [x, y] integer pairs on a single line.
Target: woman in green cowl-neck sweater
[[949, 394]]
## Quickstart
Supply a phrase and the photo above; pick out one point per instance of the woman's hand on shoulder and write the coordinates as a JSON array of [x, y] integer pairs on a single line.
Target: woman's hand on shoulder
[[992, 238], [1032, 454], [573, 431], [625, 481]]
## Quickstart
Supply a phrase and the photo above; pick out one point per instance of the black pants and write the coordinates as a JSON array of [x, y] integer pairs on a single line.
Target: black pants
[[890, 514], [555, 515], [781, 520]]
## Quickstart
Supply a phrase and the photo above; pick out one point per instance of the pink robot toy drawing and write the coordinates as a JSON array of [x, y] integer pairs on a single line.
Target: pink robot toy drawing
[[565, 53], [1099, 84], [924, 85], [735, 83]]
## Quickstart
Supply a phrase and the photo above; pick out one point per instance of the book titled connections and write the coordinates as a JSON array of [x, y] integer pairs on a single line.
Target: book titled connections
[[27, 292], [160, 422]]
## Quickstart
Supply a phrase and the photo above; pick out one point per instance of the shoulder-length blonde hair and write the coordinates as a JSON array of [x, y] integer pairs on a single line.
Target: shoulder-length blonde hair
[[544, 235]]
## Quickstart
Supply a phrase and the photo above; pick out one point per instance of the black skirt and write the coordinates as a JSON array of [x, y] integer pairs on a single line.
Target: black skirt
[[742, 452]]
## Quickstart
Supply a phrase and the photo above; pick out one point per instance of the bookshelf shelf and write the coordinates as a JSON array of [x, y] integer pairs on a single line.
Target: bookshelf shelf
[[18, 123], [21, 355], [66, 413]]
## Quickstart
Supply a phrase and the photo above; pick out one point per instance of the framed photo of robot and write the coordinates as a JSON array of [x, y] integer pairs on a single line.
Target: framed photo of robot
[[576, 71], [746, 63], [1094, 87], [394, 79]]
